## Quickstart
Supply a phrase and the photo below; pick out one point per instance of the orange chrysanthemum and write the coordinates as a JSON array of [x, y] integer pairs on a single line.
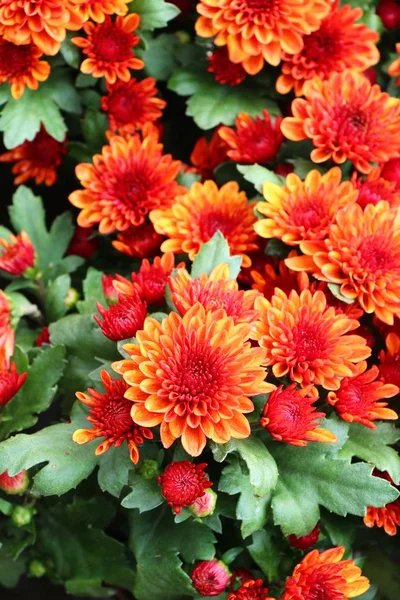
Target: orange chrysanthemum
[[394, 69], [20, 67], [225, 71], [387, 516], [307, 340], [303, 210], [255, 140], [346, 118], [208, 154], [361, 253], [96, 10], [325, 575], [374, 188], [37, 159], [110, 414], [357, 399], [108, 46], [213, 291], [289, 416], [252, 589], [130, 178], [204, 210], [129, 105], [389, 367], [352, 310], [7, 336], [256, 31], [17, 254], [139, 242], [279, 276], [338, 44], [193, 375], [43, 22]]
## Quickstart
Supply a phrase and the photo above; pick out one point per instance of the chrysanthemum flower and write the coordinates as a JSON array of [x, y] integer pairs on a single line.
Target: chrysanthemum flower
[[20, 67], [210, 577], [129, 105], [361, 253], [125, 182], [389, 367], [84, 242], [251, 590], [289, 416], [307, 340], [96, 10], [305, 541], [150, 281], [193, 375], [109, 291], [303, 210], [110, 414], [394, 69], [339, 43], [195, 217], [37, 159], [374, 188], [225, 71], [139, 242], [44, 23], [258, 30], [346, 118], [358, 398], [182, 483], [208, 154], [43, 337], [7, 335], [352, 311], [325, 575], [391, 171], [269, 278], [10, 383], [122, 319], [17, 254], [255, 140], [213, 291], [108, 46], [387, 516]]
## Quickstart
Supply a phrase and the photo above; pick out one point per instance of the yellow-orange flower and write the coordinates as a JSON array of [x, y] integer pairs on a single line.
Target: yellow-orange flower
[[195, 217], [307, 340], [256, 31], [303, 210], [374, 187], [108, 46], [325, 575], [346, 118], [339, 43], [273, 275], [43, 22], [96, 10], [394, 69], [361, 253], [213, 291], [193, 375], [20, 67], [130, 178]]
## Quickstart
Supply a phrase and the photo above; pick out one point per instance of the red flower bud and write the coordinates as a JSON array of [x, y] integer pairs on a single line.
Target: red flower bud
[[43, 337], [139, 242], [391, 171], [10, 383], [17, 254], [182, 483], [109, 291], [83, 242], [210, 577], [14, 485], [389, 12], [123, 319], [305, 541]]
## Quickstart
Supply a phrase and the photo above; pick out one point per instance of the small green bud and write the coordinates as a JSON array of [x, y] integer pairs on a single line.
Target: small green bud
[[36, 569], [183, 37], [71, 297], [21, 516], [149, 469]]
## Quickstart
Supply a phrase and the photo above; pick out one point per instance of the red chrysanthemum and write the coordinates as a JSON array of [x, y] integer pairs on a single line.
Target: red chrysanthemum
[[389, 367], [130, 178], [325, 575], [110, 414], [251, 590], [394, 69], [391, 171], [284, 169], [43, 22], [289, 416], [210, 577], [17, 254], [195, 217], [182, 483], [109, 48], [122, 319], [17, 484], [7, 335], [347, 119], [96, 10], [43, 337], [306, 340], [271, 276], [387, 516], [305, 541], [259, 30], [129, 105], [150, 281], [361, 253], [374, 187], [357, 399], [20, 67], [255, 140], [209, 154], [109, 291], [339, 43], [389, 12], [238, 577], [10, 383], [139, 242], [84, 242], [225, 71]]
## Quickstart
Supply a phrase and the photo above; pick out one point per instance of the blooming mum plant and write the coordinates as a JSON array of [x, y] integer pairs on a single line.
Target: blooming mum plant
[[200, 299]]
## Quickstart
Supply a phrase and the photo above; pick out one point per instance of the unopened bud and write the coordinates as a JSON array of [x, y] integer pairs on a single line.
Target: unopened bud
[[205, 505], [149, 469], [36, 569], [71, 298], [14, 485], [21, 516]]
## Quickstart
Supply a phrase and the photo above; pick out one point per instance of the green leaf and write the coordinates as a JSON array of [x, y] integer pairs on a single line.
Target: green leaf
[[302, 166], [314, 476], [257, 175], [338, 529], [37, 392], [384, 573], [55, 299], [67, 463], [10, 571], [265, 553], [154, 13], [70, 52], [159, 57], [94, 125], [373, 446], [93, 292], [213, 253], [114, 468], [187, 83], [145, 494]]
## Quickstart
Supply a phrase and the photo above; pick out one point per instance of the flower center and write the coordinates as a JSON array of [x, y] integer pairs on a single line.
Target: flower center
[[15, 61], [375, 254], [125, 107], [308, 343], [112, 44], [117, 418], [320, 592], [210, 223], [310, 214], [259, 5]]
